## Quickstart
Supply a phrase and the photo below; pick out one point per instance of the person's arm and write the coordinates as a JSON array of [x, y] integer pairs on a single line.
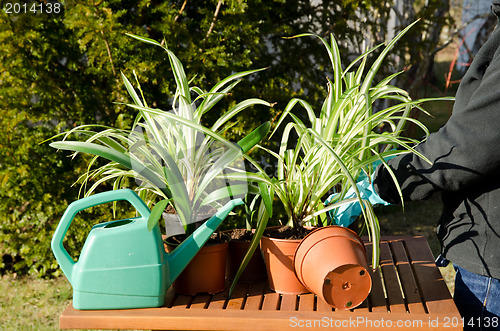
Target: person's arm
[[466, 150]]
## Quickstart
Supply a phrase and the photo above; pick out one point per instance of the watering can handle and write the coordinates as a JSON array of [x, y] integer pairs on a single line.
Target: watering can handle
[[63, 258]]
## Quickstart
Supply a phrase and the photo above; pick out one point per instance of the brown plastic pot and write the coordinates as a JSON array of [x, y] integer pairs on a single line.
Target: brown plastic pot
[[206, 271], [331, 262], [255, 270], [278, 257]]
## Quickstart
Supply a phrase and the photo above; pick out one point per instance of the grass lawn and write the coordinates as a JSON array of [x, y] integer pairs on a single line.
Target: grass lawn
[[29, 303]]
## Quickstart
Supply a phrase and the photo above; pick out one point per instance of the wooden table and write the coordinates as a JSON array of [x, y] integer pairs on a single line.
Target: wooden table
[[408, 292]]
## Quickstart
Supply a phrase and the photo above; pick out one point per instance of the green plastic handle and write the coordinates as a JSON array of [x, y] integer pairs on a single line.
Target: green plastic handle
[[65, 261]]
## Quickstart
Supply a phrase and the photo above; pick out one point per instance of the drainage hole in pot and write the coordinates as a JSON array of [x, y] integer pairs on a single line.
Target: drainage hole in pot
[[362, 273], [346, 286]]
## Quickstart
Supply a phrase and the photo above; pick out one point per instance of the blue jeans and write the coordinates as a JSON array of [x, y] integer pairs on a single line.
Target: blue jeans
[[478, 300]]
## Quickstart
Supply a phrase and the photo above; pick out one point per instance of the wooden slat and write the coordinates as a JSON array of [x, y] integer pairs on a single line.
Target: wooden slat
[[288, 302], [322, 306], [408, 282], [218, 301], [200, 301], [434, 291], [271, 301], [363, 307], [238, 297], [391, 282], [377, 296], [181, 301], [306, 302], [255, 296]]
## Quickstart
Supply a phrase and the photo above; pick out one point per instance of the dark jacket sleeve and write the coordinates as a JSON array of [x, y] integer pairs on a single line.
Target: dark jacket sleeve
[[466, 150]]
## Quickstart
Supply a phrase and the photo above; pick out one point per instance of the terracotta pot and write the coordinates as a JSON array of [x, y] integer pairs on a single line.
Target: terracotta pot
[[255, 270], [331, 262], [206, 271], [278, 257]]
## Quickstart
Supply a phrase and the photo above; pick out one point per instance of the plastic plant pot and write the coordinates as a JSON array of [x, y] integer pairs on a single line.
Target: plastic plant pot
[[331, 262]]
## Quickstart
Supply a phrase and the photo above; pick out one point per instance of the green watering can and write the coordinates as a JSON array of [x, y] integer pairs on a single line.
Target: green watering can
[[122, 264]]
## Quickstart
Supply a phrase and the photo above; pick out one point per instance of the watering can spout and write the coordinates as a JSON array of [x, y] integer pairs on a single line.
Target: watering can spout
[[180, 257]]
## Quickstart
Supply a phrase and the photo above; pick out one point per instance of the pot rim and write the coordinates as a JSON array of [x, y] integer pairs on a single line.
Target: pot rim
[[313, 228], [333, 227], [281, 240], [207, 244]]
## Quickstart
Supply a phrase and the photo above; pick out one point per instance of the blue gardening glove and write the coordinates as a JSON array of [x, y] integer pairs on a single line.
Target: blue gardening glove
[[347, 213]]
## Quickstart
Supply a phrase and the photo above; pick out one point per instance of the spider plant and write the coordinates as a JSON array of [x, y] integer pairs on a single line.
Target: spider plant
[[174, 158], [338, 144], [334, 148]]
